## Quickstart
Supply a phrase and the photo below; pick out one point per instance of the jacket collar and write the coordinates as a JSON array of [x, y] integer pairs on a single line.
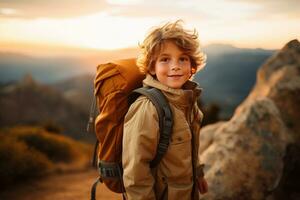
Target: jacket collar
[[185, 97]]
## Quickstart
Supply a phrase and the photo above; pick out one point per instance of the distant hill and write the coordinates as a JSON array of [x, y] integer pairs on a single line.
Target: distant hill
[[13, 66], [78, 90], [229, 75], [227, 48], [28, 102], [227, 78]]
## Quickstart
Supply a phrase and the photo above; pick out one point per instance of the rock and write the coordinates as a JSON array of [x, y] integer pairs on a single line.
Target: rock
[[289, 185], [244, 156], [240, 161], [208, 138], [279, 79]]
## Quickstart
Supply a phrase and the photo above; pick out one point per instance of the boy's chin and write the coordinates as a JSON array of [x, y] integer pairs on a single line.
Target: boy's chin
[[175, 86]]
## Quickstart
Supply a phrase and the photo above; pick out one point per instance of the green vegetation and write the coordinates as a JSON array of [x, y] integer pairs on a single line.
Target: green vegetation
[[31, 152], [211, 112]]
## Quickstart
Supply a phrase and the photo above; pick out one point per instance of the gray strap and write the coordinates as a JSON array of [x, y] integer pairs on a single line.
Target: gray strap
[[94, 187], [93, 110], [165, 120], [91, 128]]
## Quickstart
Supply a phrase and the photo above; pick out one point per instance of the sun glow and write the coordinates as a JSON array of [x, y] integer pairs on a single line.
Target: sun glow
[[98, 31], [123, 24], [8, 11]]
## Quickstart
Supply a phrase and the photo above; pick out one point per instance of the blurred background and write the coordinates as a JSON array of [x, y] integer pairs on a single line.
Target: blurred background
[[49, 51]]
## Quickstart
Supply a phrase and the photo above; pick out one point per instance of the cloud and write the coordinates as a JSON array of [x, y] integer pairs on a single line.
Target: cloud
[[155, 11], [211, 10], [126, 8], [271, 8], [49, 9], [199, 9]]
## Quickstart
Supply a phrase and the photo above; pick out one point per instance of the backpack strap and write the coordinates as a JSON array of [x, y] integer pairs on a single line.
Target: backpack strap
[[91, 128], [165, 120]]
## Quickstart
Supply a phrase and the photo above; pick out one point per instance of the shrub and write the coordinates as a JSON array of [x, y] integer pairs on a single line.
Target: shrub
[[18, 162], [28, 152], [56, 147], [52, 127]]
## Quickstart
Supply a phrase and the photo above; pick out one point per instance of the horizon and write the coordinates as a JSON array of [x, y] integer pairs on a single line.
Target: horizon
[[56, 28], [34, 50]]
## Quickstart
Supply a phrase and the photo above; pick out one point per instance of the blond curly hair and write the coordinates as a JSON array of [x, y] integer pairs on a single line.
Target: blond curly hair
[[186, 40]]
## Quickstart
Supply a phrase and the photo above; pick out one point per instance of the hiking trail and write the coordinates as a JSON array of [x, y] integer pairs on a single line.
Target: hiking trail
[[64, 186]]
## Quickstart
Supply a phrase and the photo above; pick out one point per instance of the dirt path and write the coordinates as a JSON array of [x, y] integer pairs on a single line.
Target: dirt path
[[71, 186]]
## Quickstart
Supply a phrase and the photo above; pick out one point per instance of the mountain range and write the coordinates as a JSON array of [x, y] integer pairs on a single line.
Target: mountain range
[[35, 89], [229, 75], [13, 66], [28, 102]]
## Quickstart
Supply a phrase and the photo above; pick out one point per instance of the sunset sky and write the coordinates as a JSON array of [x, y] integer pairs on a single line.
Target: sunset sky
[[111, 24]]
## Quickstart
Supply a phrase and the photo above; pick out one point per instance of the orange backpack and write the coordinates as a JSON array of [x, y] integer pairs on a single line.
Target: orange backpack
[[116, 85]]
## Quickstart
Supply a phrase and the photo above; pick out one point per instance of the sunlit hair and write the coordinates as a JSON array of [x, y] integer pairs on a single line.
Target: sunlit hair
[[186, 40]]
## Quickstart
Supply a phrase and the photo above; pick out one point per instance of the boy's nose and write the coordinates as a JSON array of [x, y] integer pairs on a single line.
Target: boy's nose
[[175, 66]]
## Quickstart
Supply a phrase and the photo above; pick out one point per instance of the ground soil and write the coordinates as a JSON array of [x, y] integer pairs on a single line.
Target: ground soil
[[74, 185]]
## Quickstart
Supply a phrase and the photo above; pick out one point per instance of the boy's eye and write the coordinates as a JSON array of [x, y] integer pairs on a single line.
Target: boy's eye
[[164, 59], [184, 59]]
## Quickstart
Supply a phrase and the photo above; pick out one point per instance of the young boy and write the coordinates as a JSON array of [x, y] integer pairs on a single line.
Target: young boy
[[170, 56]]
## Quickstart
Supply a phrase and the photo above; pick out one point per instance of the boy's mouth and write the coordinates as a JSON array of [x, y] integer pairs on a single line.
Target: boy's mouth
[[176, 75]]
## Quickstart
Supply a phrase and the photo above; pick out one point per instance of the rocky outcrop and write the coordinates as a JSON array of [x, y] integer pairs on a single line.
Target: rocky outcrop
[[279, 80], [246, 156]]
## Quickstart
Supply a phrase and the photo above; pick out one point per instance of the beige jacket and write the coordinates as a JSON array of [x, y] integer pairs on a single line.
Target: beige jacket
[[173, 177]]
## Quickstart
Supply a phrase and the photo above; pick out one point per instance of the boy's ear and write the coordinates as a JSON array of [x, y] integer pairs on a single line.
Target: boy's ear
[[152, 71], [193, 71]]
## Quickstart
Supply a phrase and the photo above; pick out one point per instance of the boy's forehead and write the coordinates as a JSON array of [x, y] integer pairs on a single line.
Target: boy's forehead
[[169, 47]]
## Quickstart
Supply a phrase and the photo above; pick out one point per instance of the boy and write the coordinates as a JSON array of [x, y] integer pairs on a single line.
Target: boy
[[170, 56]]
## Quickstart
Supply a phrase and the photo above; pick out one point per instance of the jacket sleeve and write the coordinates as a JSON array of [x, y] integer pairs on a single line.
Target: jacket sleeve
[[139, 148]]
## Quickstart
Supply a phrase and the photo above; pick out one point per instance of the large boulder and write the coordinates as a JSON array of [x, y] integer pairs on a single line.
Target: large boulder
[[246, 156]]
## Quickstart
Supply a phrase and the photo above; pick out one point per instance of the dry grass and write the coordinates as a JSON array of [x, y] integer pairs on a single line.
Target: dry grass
[[30, 152]]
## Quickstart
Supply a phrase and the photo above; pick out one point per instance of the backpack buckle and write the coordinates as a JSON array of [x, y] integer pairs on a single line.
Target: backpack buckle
[[110, 170]]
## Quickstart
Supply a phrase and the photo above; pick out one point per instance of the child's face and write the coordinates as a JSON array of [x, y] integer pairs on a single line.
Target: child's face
[[172, 66]]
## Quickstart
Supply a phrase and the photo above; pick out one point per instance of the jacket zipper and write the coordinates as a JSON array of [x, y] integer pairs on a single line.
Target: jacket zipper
[[190, 109]]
